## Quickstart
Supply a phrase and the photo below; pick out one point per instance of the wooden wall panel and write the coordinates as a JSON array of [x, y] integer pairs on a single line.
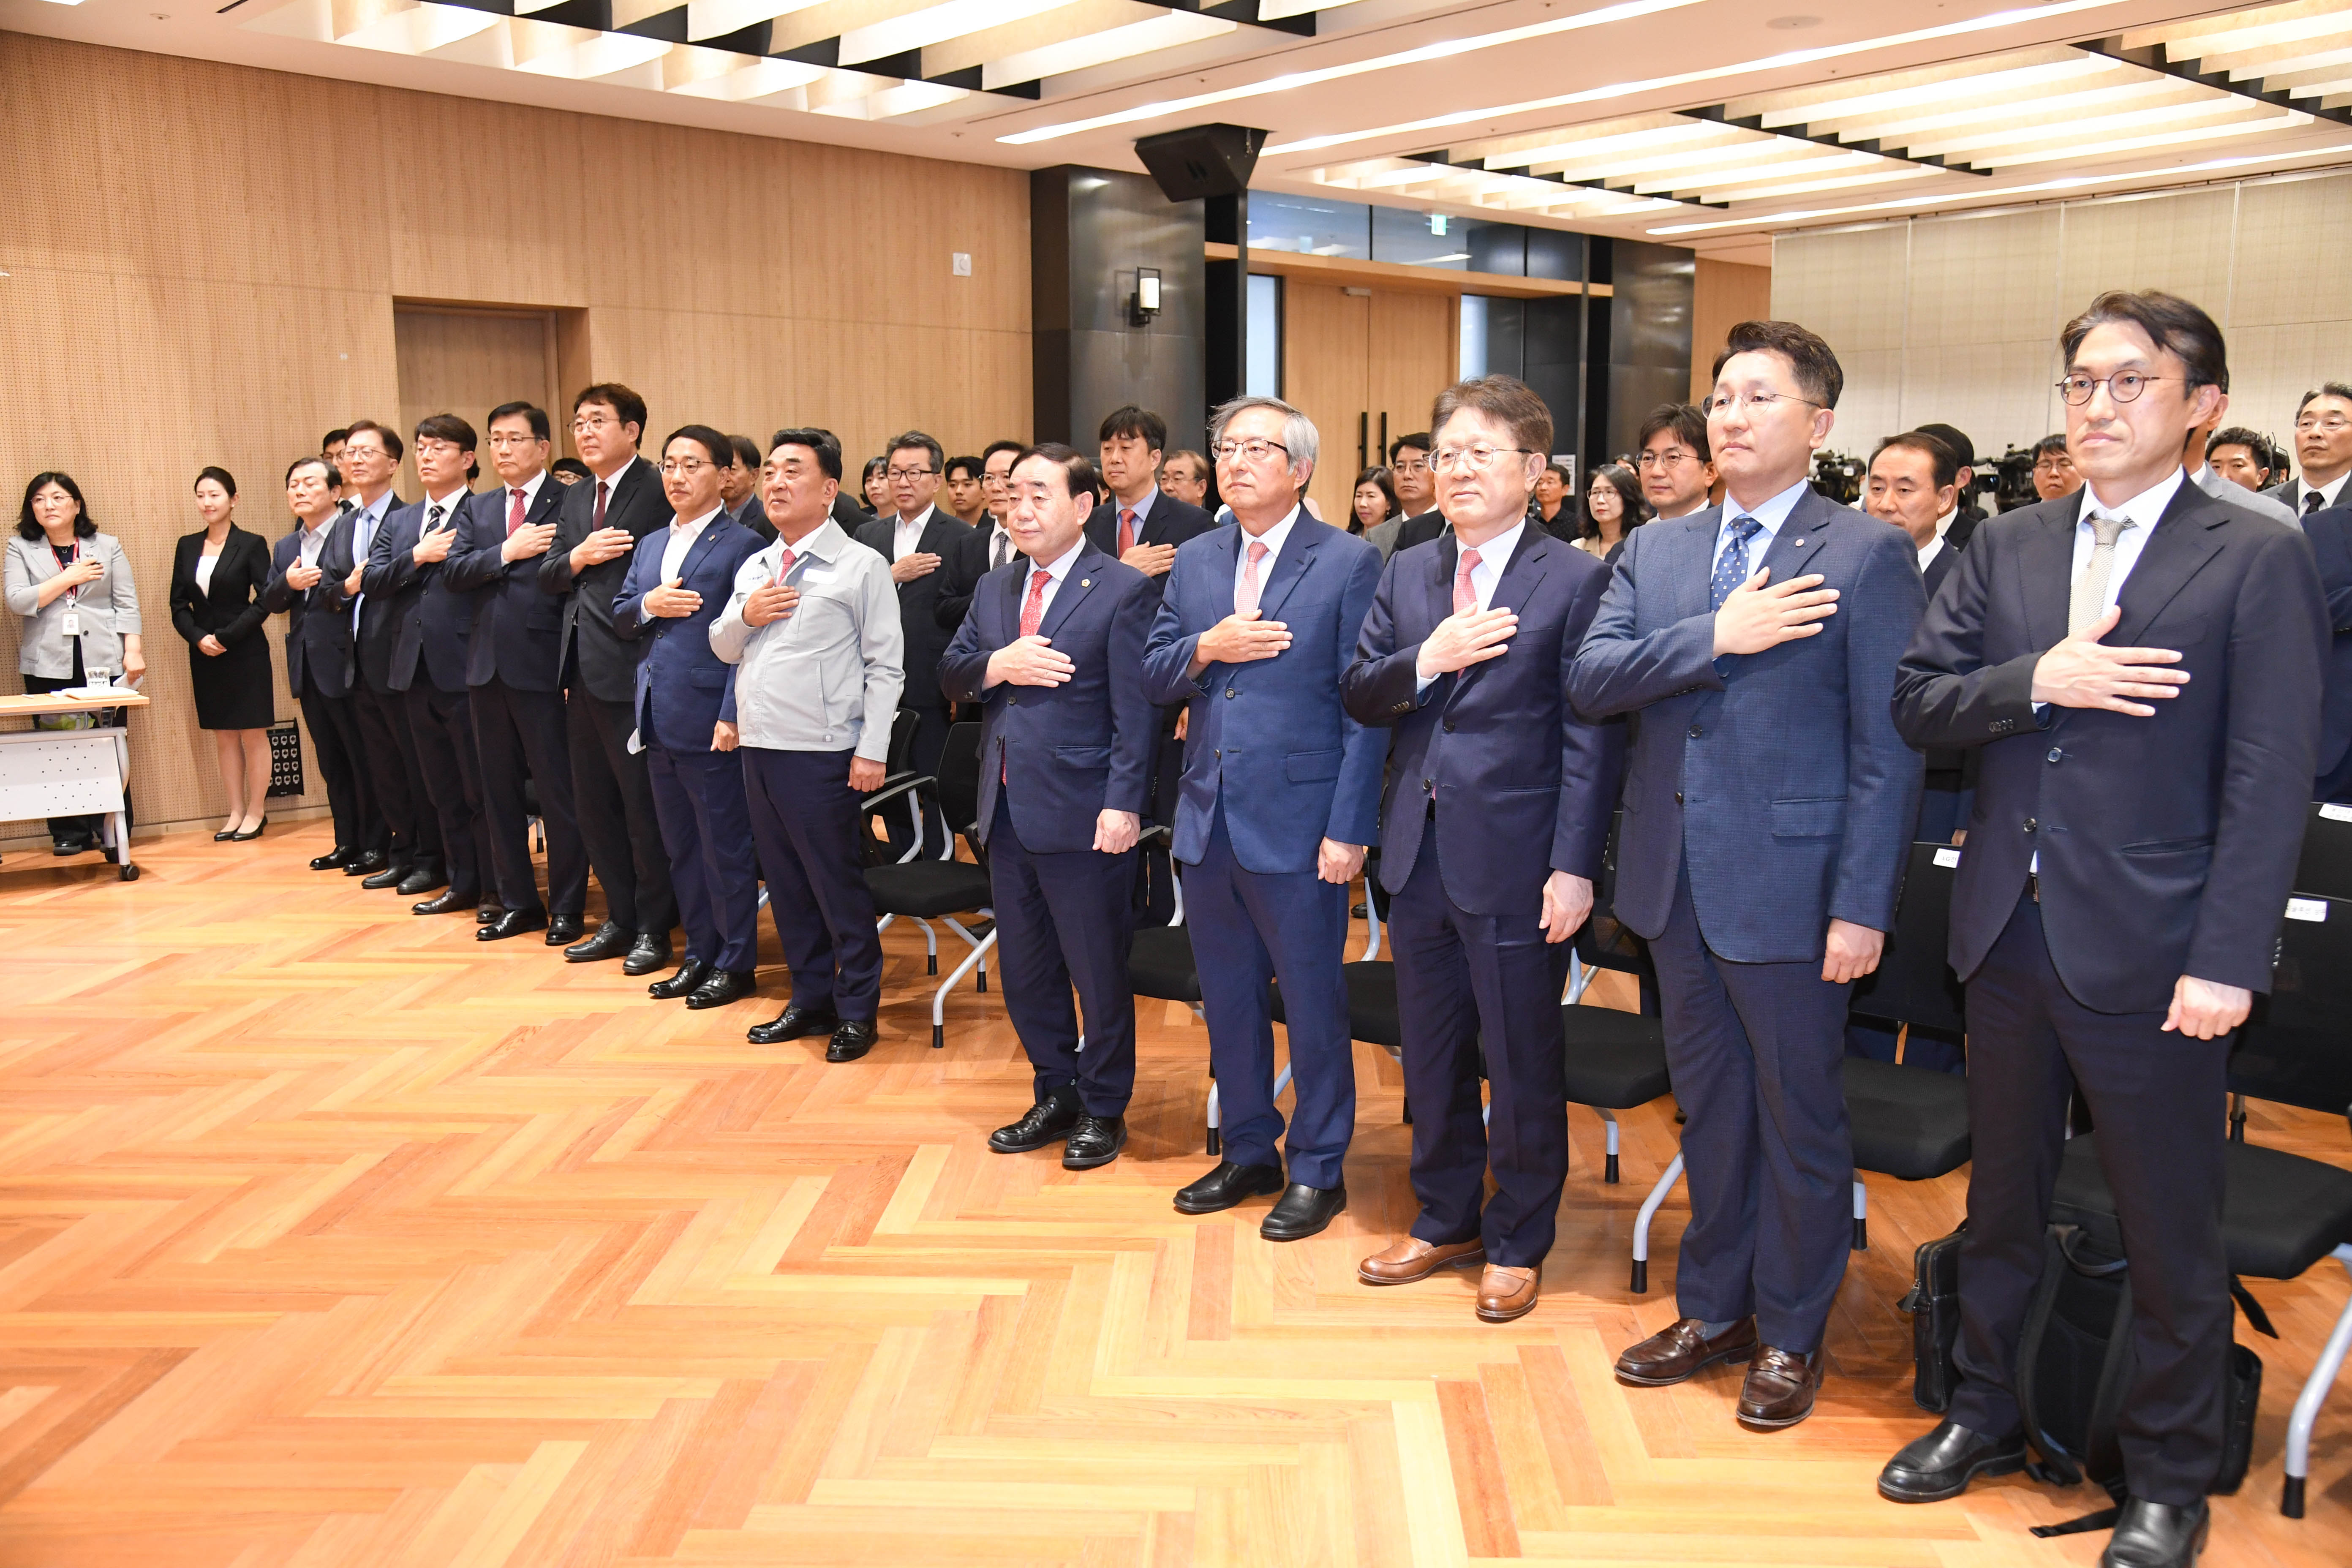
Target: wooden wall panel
[[1723, 294], [1326, 376], [1416, 354], [218, 253]]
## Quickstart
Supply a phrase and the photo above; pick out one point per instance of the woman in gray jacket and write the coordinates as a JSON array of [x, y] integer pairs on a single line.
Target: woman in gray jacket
[[72, 584]]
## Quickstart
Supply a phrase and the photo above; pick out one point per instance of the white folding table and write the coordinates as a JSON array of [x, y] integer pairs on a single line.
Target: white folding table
[[69, 772]]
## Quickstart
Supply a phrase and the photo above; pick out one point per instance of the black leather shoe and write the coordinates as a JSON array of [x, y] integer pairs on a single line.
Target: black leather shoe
[[1050, 1121], [223, 835], [446, 903], [610, 941], [2156, 1535], [721, 986], [1096, 1141], [562, 930], [690, 975], [647, 954], [334, 859], [796, 1023], [514, 922], [852, 1039], [487, 914], [394, 874], [1940, 1465], [423, 880], [1226, 1185], [1302, 1211], [366, 865], [249, 835]]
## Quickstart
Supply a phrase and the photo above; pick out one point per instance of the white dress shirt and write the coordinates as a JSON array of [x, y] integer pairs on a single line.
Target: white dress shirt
[[1492, 556], [1770, 515], [1272, 539], [2326, 493], [529, 487], [906, 536], [314, 538], [682, 535], [1933, 547], [2143, 510], [1001, 548], [1054, 572], [449, 505]]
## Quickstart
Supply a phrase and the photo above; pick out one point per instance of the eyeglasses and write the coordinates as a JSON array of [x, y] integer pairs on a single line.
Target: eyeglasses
[[2124, 386], [1411, 466], [908, 473], [2055, 463], [1665, 459], [594, 421], [1257, 450], [685, 468], [1474, 459], [2334, 424], [1755, 402], [508, 438]]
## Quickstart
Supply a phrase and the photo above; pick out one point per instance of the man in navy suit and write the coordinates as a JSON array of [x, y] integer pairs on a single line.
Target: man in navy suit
[[430, 626], [1768, 806], [1141, 524], [513, 667], [1281, 790], [1054, 651], [2330, 532], [319, 659], [1497, 812], [679, 579], [2141, 668], [411, 843], [917, 539]]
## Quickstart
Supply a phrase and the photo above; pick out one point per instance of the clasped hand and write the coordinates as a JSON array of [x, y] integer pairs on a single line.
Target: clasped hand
[[1756, 617], [2083, 672]]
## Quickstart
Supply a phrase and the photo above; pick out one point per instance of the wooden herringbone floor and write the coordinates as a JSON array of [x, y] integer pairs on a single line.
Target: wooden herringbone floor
[[331, 1237]]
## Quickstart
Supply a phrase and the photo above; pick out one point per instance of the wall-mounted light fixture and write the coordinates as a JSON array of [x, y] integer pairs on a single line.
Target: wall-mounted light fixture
[[1144, 303]]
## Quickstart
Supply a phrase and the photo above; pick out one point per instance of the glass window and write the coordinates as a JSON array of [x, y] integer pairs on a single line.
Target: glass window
[[1455, 244], [1264, 376], [1310, 226]]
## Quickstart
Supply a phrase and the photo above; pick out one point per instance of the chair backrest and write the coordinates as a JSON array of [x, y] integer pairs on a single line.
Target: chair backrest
[[901, 756], [959, 778], [1601, 941], [1913, 984], [2324, 870], [2296, 1047]]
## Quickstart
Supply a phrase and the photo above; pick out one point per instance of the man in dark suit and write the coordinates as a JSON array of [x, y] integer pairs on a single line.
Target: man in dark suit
[[512, 670], [1054, 651], [1419, 520], [318, 660], [2330, 532], [1258, 624], [1966, 513], [983, 547], [412, 852], [739, 494], [431, 624], [2119, 901], [600, 522], [1498, 813], [916, 540], [679, 579], [2323, 450], [1768, 806], [1141, 525]]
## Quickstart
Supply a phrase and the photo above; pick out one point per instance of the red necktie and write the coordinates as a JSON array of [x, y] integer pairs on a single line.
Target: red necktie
[[1033, 613], [602, 490], [514, 513], [783, 565], [1465, 597], [1126, 529]]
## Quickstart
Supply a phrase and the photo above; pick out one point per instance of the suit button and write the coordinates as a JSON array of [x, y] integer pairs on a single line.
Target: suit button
[[1013, 701], [2030, 825], [1427, 786], [1221, 751], [1229, 693], [1449, 726], [1695, 732], [2055, 755]]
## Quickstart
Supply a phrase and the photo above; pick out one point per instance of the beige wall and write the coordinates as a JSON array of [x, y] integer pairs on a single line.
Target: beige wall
[[204, 260], [1957, 319]]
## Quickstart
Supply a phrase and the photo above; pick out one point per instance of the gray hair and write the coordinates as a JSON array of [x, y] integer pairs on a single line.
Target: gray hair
[[1298, 431]]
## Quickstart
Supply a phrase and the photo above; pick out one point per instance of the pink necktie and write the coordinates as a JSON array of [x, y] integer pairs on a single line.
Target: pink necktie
[[1033, 608], [783, 565], [1465, 597], [514, 513], [1126, 529], [1245, 596]]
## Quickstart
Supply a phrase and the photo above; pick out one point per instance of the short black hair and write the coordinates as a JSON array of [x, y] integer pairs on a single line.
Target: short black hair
[[2048, 444], [2324, 389], [1944, 462], [218, 476], [1419, 441], [1964, 451], [2258, 446], [626, 406], [1820, 378], [332, 437], [392, 444], [28, 527], [711, 441], [571, 466], [1015, 448], [746, 451], [540, 428], [1128, 420], [1078, 476], [446, 427], [971, 466], [1688, 425], [914, 441], [2173, 324], [823, 443], [304, 462]]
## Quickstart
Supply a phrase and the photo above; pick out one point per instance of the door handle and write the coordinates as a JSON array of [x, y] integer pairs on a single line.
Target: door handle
[[1384, 437], [1363, 435]]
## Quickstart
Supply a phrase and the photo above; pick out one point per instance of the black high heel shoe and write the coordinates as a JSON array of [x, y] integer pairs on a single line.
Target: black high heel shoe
[[250, 837]]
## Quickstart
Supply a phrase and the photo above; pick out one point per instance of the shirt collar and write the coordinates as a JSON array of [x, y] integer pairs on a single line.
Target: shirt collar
[[1929, 551], [1498, 551], [374, 511], [2326, 492], [2145, 508], [700, 523], [922, 519], [1772, 513], [447, 503], [1944, 524], [824, 542], [1060, 568], [1272, 537], [1142, 509], [530, 488]]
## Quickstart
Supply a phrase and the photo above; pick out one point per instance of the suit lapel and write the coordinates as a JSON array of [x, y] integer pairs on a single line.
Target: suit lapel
[[1521, 572], [1290, 565], [2046, 562], [2186, 536], [1801, 534], [700, 547], [1076, 583], [1694, 568], [1221, 581]]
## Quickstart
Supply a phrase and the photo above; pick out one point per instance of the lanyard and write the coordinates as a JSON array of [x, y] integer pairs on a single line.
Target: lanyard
[[73, 594]]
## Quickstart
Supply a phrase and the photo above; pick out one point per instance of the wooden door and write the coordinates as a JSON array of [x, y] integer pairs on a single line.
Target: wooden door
[[1353, 358], [466, 363], [1416, 354]]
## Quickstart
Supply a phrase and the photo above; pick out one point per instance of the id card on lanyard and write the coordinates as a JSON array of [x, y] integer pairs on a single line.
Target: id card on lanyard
[[73, 622]]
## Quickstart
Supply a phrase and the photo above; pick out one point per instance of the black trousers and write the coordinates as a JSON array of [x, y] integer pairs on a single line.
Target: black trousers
[[614, 795], [334, 729], [805, 820], [1062, 920], [389, 751], [443, 725], [1459, 975], [2158, 1100], [705, 825], [519, 732]]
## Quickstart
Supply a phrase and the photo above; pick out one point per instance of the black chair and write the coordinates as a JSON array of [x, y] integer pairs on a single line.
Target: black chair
[[898, 768], [2324, 870], [925, 890], [1615, 1060]]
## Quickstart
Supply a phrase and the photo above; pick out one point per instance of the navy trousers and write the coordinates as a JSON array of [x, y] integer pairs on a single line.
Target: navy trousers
[[1460, 974], [519, 732], [1249, 928], [805, 820], [1754, 1049], [2334, 786], [705, 826], [2158, 1100], [442, 725], [612, 800], [398, 782], [1065, 920], [343, 768]]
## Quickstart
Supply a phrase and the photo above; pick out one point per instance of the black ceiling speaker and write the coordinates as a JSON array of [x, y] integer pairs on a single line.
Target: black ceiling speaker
[[1202, 160]]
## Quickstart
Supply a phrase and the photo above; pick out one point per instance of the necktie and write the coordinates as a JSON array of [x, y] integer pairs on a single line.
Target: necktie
[[514, 512], [784, 564], [2312, 502], [2090, 598], [1465, 597], [1033, 608], [433, 518], [1245, 596], [998, 548], [1732, 569], [1126, 529], [602, 491]]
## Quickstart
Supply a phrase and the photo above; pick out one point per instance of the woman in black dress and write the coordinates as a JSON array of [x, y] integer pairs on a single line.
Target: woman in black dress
[[217, 577]]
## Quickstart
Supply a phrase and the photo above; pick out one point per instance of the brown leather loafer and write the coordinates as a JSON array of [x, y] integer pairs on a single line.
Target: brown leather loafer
[[1409, 1260], [1504, 1292], [1780, 1388], [1680, 1351]]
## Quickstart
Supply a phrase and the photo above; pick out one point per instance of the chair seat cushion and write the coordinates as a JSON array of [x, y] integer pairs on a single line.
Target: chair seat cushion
[[1908, 1122], [1159, 964], [1615, 1061], [926, 889], [2281, 1213], [1371, 1004]]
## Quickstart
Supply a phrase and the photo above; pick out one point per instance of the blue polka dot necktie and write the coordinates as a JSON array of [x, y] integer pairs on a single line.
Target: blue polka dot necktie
[[1733, 569]]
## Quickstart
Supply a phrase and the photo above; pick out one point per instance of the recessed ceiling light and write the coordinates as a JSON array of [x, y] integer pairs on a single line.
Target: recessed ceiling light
[[1793, 24]]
